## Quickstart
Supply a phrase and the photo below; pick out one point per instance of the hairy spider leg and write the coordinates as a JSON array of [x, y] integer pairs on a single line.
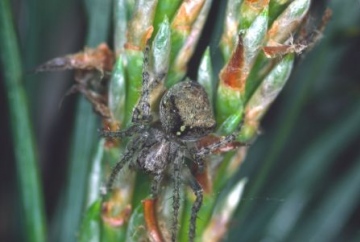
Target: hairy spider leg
[[207, 150], [131, 148], [141, 112], [199, 161], [176, 194], [122, 133], [198, 191], [150, 80], [155, 184]]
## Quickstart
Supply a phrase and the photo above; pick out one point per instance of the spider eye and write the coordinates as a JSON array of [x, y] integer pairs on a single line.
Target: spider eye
[[185, 111]]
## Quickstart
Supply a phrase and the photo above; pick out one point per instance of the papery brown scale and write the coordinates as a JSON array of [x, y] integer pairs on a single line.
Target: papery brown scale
[[257, 4], [272, 51], [101, 59], [281, 50], [99, 102], [106, 56], [130, 46], [135, 44], [281, 30], [186, 15], [140, 27], [232, 74]]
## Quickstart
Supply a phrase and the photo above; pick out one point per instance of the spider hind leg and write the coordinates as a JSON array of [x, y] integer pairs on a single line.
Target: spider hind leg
[[176, 195], [198, 191]]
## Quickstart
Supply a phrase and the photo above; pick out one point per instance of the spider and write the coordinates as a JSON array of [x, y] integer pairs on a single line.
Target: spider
[[160, 147]]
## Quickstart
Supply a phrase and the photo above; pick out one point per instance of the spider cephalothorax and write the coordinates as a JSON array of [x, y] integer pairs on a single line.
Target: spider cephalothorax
[[161, 147], [185, 111]]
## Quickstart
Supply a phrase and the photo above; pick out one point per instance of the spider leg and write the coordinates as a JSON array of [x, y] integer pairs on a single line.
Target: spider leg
[[176, 195], [212, 147], [142, 110], [150, 80], [207, 150], [155, 184], [117, 168], [198, 191], [121, 133], [198, 155], [129, 154], [199, 161]]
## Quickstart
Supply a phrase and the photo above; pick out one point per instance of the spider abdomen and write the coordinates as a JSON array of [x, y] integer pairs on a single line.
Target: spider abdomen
[[185, 111], [153, 160]]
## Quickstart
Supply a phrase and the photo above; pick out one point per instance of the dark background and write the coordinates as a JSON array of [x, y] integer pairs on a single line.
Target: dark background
[[319, 96]]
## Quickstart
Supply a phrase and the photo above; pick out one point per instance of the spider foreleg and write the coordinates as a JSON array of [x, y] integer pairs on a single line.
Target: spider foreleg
[[142, 111], [129, 154], [121, 133], [150, 80], [207, 150], [223, 142], [115, 171]]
